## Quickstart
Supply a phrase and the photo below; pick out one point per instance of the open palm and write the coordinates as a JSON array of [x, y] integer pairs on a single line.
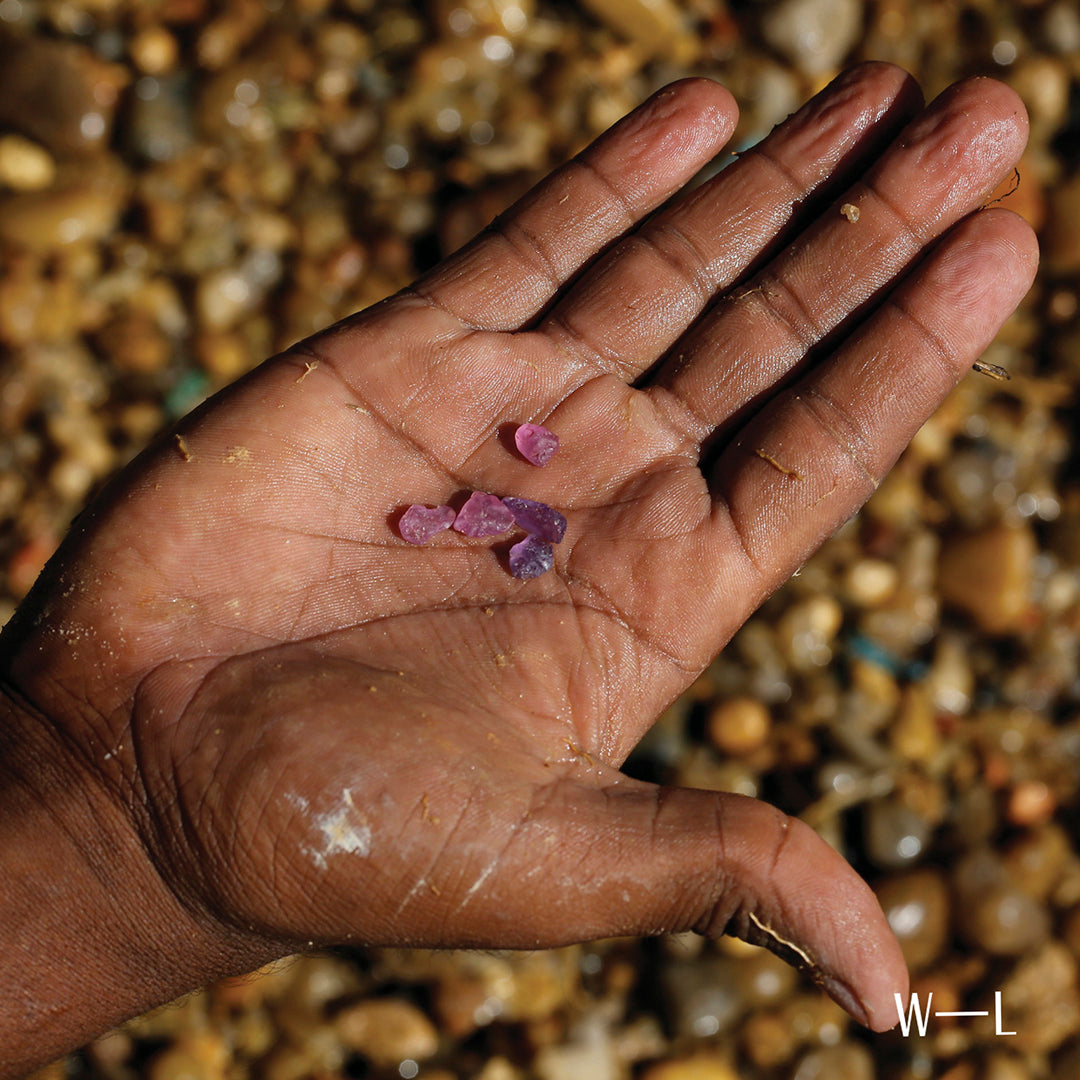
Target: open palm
[[323, 733]]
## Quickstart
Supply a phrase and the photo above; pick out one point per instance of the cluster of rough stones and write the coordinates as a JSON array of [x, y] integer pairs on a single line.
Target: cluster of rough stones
[[488, 515]]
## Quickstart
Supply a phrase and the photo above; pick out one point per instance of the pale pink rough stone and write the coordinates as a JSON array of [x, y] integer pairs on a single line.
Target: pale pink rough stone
[[535, 443], [531, 557], [483, 515], [537, 518], [420, 523]]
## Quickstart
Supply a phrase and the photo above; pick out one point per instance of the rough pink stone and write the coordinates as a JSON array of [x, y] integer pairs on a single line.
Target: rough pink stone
[[420, 523], [537, 518], [483, 515], [536, 443], [532, 557]]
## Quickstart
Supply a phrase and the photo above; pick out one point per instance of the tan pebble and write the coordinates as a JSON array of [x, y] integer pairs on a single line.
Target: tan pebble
[[133, 342], [1037, 860], [870, 582], [24, 165], [287, 1062], [814, 34], [914, 733], [916, 905], [814, 1018], [1004, 921], [222, 298], [154, 51], [387, 1030], [767, 1040], [1002, 1065], [56, 1070], [764, 979], [1040, 1000], [700, 1067], [59, 94], [110, 1051], [1031, 802], [184, 1062], [655, 26], [988, 575], [738, 726], [225, 356], [846, 1061], [46, 221]]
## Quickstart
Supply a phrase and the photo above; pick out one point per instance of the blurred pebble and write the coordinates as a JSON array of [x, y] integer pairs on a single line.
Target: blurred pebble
[[896, 836], [587, 1051], [988, 575], [655, 26], [1037, 859], [916, 905], [45, 221], [154, 50], [1062, 245], [815, 35], [1004, 921], [870, 582], [387, 1030], [24, 165], [1041, 999], [764, 979], [699, 1067], [738, 726], [914, 732], [847, 1061], [767, 1040], [701, 996], [58, 93], [1031, 802]]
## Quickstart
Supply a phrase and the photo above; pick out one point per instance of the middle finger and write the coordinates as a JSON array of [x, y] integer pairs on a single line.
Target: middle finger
[[640, 297]]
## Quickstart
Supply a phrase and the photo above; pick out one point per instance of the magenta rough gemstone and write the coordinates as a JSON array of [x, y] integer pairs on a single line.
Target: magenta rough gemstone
[[536, 443], [537, 517], [483, 515], [420, 523], [531, 558]]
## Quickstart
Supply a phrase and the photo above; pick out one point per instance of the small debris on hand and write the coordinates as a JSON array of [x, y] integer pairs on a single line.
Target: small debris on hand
[[993, 370]]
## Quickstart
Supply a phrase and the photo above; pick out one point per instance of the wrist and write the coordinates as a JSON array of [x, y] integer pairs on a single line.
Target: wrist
[[90, 935]]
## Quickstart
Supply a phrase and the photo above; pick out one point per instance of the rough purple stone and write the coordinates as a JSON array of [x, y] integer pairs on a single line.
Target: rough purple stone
[[536, 443], [483, 515], [531, 558], [420, 523], [537, 518]]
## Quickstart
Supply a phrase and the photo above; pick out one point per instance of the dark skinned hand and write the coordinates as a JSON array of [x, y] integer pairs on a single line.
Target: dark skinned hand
[[274, 723]]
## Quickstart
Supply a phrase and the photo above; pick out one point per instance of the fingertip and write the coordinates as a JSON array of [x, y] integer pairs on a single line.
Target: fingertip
[[1001, 111], [890, 81], [701, 102]]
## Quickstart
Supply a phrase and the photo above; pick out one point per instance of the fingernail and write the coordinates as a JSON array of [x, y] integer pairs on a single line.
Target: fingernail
[[845, 997]]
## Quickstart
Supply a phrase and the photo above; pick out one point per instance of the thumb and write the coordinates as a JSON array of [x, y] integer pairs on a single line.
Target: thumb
[[649, 860]]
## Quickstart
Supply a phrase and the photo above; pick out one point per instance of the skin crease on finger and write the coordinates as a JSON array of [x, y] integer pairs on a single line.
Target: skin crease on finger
[[288, 725]]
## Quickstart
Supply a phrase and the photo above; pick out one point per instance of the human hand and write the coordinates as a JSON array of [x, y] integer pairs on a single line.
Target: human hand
[[292, 727]]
